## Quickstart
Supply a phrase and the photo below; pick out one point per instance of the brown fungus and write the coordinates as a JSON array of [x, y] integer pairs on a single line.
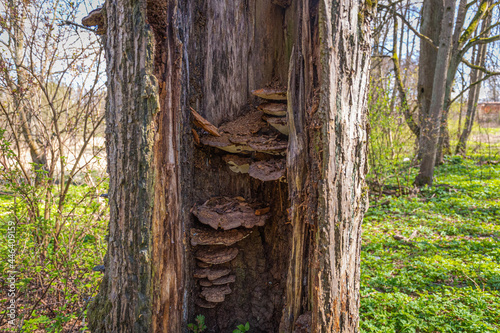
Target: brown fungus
[[215, 294], [216, 254], [269, 170], [273, 109], [228, 213], [213, 237], [274, 94]]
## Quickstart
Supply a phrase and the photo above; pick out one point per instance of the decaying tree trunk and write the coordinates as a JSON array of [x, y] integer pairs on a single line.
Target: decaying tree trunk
[[295, 266]]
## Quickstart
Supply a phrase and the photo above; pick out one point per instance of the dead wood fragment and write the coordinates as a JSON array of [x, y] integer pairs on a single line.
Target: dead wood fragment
[[196, 137], [275, 94], [216, 254], [270, 170], [228, 213], [202, 123], [262, 211], [213, 237]]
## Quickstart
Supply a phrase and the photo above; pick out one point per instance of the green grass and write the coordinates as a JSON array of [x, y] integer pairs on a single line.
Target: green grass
[[447, 278]]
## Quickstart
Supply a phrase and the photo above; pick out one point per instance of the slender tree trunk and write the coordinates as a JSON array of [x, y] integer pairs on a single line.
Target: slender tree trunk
[[302, 267], [432, 17], [430, 127], [475, 75]]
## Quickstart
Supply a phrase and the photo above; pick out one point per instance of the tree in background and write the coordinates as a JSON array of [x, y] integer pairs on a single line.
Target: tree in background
[[51, 115]]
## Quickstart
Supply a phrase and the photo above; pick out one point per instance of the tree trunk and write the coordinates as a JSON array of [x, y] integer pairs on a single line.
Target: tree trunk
[[475, 75], [299, 269], [430, 127], [432, 17]]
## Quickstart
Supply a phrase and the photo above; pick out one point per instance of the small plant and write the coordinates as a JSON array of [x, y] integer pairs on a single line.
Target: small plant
[[199, 326], [242, 328]]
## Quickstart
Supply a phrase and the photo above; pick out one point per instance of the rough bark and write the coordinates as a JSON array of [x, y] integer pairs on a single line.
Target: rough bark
[[165, 57], [475, 75], [431, 125], [432, 17]]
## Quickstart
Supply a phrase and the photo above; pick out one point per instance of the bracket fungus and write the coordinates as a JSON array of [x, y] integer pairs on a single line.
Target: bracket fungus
[[273, 109], [228, 213], [211, 273], [215, 294], [95, 18], [224, 280], [274, 94], [216, 255], [247, 134], [213, 237], [269, 170], [237, 163], [279, 123]]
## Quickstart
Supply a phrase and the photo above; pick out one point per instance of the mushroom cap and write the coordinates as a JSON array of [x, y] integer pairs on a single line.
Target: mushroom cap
[[216, 254], [228, 213], [224, 280], [273, 109], [275, 94], [279, 123], [270, 170], [211, 273], [213, 237], [237, 163], [205, 282], [215, 294]]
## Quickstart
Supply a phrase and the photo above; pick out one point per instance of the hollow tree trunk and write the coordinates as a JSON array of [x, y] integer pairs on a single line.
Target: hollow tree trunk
[[299, 268]]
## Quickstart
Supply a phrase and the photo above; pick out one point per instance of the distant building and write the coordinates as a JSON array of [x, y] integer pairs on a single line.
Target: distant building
[[489, 112]]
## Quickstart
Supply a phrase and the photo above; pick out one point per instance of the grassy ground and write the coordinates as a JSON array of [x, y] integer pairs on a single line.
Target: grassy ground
[[444, 275]]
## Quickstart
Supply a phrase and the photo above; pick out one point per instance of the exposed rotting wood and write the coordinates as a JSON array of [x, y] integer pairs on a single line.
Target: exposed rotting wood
[[273, 109], [202, 123], [279, 123], [228, 213], [270, 170], [273, 94], [247, 134], [213, 237], [216, 254], [215, 294], [211, 273]]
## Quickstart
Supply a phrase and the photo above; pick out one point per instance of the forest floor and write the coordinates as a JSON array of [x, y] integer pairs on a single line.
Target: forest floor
[[430, 260]]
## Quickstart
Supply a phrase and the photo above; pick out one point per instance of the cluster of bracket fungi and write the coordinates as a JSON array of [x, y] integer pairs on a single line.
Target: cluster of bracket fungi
[[257, 145]]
